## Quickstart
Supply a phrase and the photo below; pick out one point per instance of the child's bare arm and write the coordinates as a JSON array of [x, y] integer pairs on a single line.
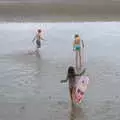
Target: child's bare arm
[[34, 39], [63, 81], [83, 44], [73, 44], [84, 70]]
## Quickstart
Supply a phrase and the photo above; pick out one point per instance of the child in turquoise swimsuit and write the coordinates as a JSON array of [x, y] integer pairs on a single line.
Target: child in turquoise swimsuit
[[77, 47]]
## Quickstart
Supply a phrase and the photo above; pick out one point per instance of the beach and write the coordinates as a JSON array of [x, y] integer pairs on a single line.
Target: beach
[[30, 85], [59, 12]]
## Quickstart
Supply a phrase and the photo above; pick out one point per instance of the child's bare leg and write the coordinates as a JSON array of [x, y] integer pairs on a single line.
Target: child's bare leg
[[80, 58], [76, 59], [37, 49], [70, 91]]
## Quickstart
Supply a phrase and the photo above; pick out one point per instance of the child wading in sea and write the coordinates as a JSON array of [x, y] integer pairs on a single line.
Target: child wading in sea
[[38, 38], [72, 77], [77, 45]]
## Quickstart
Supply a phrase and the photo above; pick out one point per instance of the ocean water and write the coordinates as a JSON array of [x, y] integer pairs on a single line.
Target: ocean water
[[30, 85]]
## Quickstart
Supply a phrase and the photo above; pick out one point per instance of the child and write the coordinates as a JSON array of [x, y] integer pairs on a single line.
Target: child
[[38, 38], [77, 45], [71, 76]]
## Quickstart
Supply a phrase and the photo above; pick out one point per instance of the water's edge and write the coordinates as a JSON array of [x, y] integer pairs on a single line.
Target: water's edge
[[36, 12]]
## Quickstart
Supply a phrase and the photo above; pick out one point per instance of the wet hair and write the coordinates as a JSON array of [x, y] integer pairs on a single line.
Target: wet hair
[[76, 35], [71, 72], [39, 30]]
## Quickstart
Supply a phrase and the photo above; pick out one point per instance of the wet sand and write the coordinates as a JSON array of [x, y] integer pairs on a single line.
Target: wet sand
[[54, 12]]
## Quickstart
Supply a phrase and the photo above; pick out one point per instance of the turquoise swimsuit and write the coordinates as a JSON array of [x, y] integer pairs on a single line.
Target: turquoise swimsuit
[[77, 47]]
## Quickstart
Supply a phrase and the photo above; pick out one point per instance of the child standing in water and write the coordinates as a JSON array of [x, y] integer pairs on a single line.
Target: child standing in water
[[38, 38], [77, 45], [72, 78]]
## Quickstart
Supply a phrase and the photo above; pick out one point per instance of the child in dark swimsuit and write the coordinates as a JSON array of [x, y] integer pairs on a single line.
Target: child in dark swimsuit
[[38, 39]]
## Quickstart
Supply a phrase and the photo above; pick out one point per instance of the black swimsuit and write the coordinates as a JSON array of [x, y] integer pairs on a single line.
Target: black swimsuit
[[38, 43]]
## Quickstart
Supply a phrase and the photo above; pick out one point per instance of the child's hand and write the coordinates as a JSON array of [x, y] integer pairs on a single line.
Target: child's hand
[[63, 81], [83, 44]]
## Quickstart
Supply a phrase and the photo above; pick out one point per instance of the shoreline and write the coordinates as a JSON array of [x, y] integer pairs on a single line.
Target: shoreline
[[58, 19], [36, 12]]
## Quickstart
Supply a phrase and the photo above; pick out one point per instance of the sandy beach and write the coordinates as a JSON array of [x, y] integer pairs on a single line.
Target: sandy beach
[[57, 12]]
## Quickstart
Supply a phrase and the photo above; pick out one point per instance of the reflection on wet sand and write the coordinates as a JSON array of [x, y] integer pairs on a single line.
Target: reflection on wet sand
[[35, 83], [76, 113], [37, 53]]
